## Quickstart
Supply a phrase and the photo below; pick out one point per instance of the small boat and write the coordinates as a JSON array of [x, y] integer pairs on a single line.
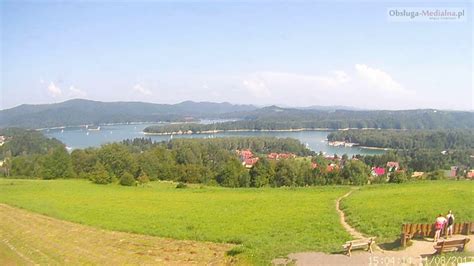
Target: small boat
[[93, 128]]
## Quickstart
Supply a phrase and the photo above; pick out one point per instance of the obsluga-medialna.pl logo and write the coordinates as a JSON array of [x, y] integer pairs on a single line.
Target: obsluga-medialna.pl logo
[[426, 14]]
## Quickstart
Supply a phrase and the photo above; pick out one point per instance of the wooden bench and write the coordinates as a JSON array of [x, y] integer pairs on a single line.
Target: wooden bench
[[451, 245], [358, 244], [410, 231]]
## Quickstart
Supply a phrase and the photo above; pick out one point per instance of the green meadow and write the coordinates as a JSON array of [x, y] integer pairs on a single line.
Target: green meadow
[[380, 210], [266, 223]]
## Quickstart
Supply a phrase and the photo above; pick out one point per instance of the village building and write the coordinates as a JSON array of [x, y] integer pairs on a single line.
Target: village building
[[378, 171], [278, 156], [393, 166], [417, 175], [470, 174]]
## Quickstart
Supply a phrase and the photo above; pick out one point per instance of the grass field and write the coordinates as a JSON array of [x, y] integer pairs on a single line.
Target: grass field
[[266, 222], [380, 210]]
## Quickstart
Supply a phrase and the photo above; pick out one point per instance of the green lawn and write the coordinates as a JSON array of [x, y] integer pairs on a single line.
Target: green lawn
[[380, 210], [268, 222]]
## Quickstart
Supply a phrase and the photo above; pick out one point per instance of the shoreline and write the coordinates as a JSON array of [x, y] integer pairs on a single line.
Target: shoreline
[[189, 132]]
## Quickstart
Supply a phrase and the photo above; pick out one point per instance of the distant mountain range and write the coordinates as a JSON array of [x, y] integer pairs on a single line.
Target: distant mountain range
[[80, 112]]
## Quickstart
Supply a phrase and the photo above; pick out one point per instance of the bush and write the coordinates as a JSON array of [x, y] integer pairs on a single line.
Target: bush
[[99, 175], [181, 185], [436, 175], [127, 179], [143, 179]]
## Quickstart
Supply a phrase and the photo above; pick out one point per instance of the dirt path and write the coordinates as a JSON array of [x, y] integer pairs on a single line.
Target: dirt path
[[419, 253], [27, 238], [342, 217]]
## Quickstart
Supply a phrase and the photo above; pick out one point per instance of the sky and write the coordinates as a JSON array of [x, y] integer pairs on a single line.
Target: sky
[[288, 53]]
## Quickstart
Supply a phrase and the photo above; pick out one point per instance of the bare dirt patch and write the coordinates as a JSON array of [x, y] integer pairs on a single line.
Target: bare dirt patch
[[29, 238]]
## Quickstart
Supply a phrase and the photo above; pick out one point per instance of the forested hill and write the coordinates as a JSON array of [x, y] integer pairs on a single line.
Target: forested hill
[[80, 112], [276, 118], [459, 139]]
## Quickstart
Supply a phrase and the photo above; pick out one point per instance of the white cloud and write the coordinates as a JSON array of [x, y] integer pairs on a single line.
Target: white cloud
[[76, 93], [379, 79], [257, 87], [54, 90], [140, 89], [269, 83]]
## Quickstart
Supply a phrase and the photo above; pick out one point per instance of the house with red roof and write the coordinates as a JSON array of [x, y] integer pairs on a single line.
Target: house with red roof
[[250, 162], [277, 156], [245, 154], [378, 171]]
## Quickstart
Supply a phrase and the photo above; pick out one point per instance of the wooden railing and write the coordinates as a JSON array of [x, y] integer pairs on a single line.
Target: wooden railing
[[428, 230]]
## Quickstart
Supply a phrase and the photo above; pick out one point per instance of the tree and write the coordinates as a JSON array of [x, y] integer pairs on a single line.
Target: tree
[[57, 164], [233, 174], [117, 159], [83, 161], [262, 173], [355, 172], [193, 173], [286, 173], [100, 175]]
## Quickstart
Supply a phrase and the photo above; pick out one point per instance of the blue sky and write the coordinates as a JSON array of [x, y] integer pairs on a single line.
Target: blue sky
[[256, 52]]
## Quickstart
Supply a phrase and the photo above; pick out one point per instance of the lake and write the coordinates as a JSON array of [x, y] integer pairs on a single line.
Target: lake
[[80, 137]]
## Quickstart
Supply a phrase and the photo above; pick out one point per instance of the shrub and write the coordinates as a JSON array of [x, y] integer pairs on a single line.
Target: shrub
[[127, 179], [143, 178], [181, 185], [99, 175]]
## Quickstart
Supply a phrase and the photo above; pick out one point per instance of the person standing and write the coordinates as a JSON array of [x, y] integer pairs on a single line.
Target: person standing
[[439, 224], [450, 221]]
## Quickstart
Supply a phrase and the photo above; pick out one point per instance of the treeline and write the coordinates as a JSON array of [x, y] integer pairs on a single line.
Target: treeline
[[26, 142], [262, 145], [409, 139], [423, 160], [275, 118], [214, 162]]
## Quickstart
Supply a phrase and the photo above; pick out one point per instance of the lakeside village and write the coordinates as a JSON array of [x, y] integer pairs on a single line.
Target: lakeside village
[[249, 159]]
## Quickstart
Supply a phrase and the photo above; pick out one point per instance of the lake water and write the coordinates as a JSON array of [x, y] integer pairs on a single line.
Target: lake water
[[80, 137]]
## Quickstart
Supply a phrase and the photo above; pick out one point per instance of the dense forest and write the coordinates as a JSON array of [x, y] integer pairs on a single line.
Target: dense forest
[[408, 139], [29, 154], [275, 118]]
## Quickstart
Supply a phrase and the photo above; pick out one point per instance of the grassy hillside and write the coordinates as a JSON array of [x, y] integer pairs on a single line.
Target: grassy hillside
[[267, 222], [380, 210]]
